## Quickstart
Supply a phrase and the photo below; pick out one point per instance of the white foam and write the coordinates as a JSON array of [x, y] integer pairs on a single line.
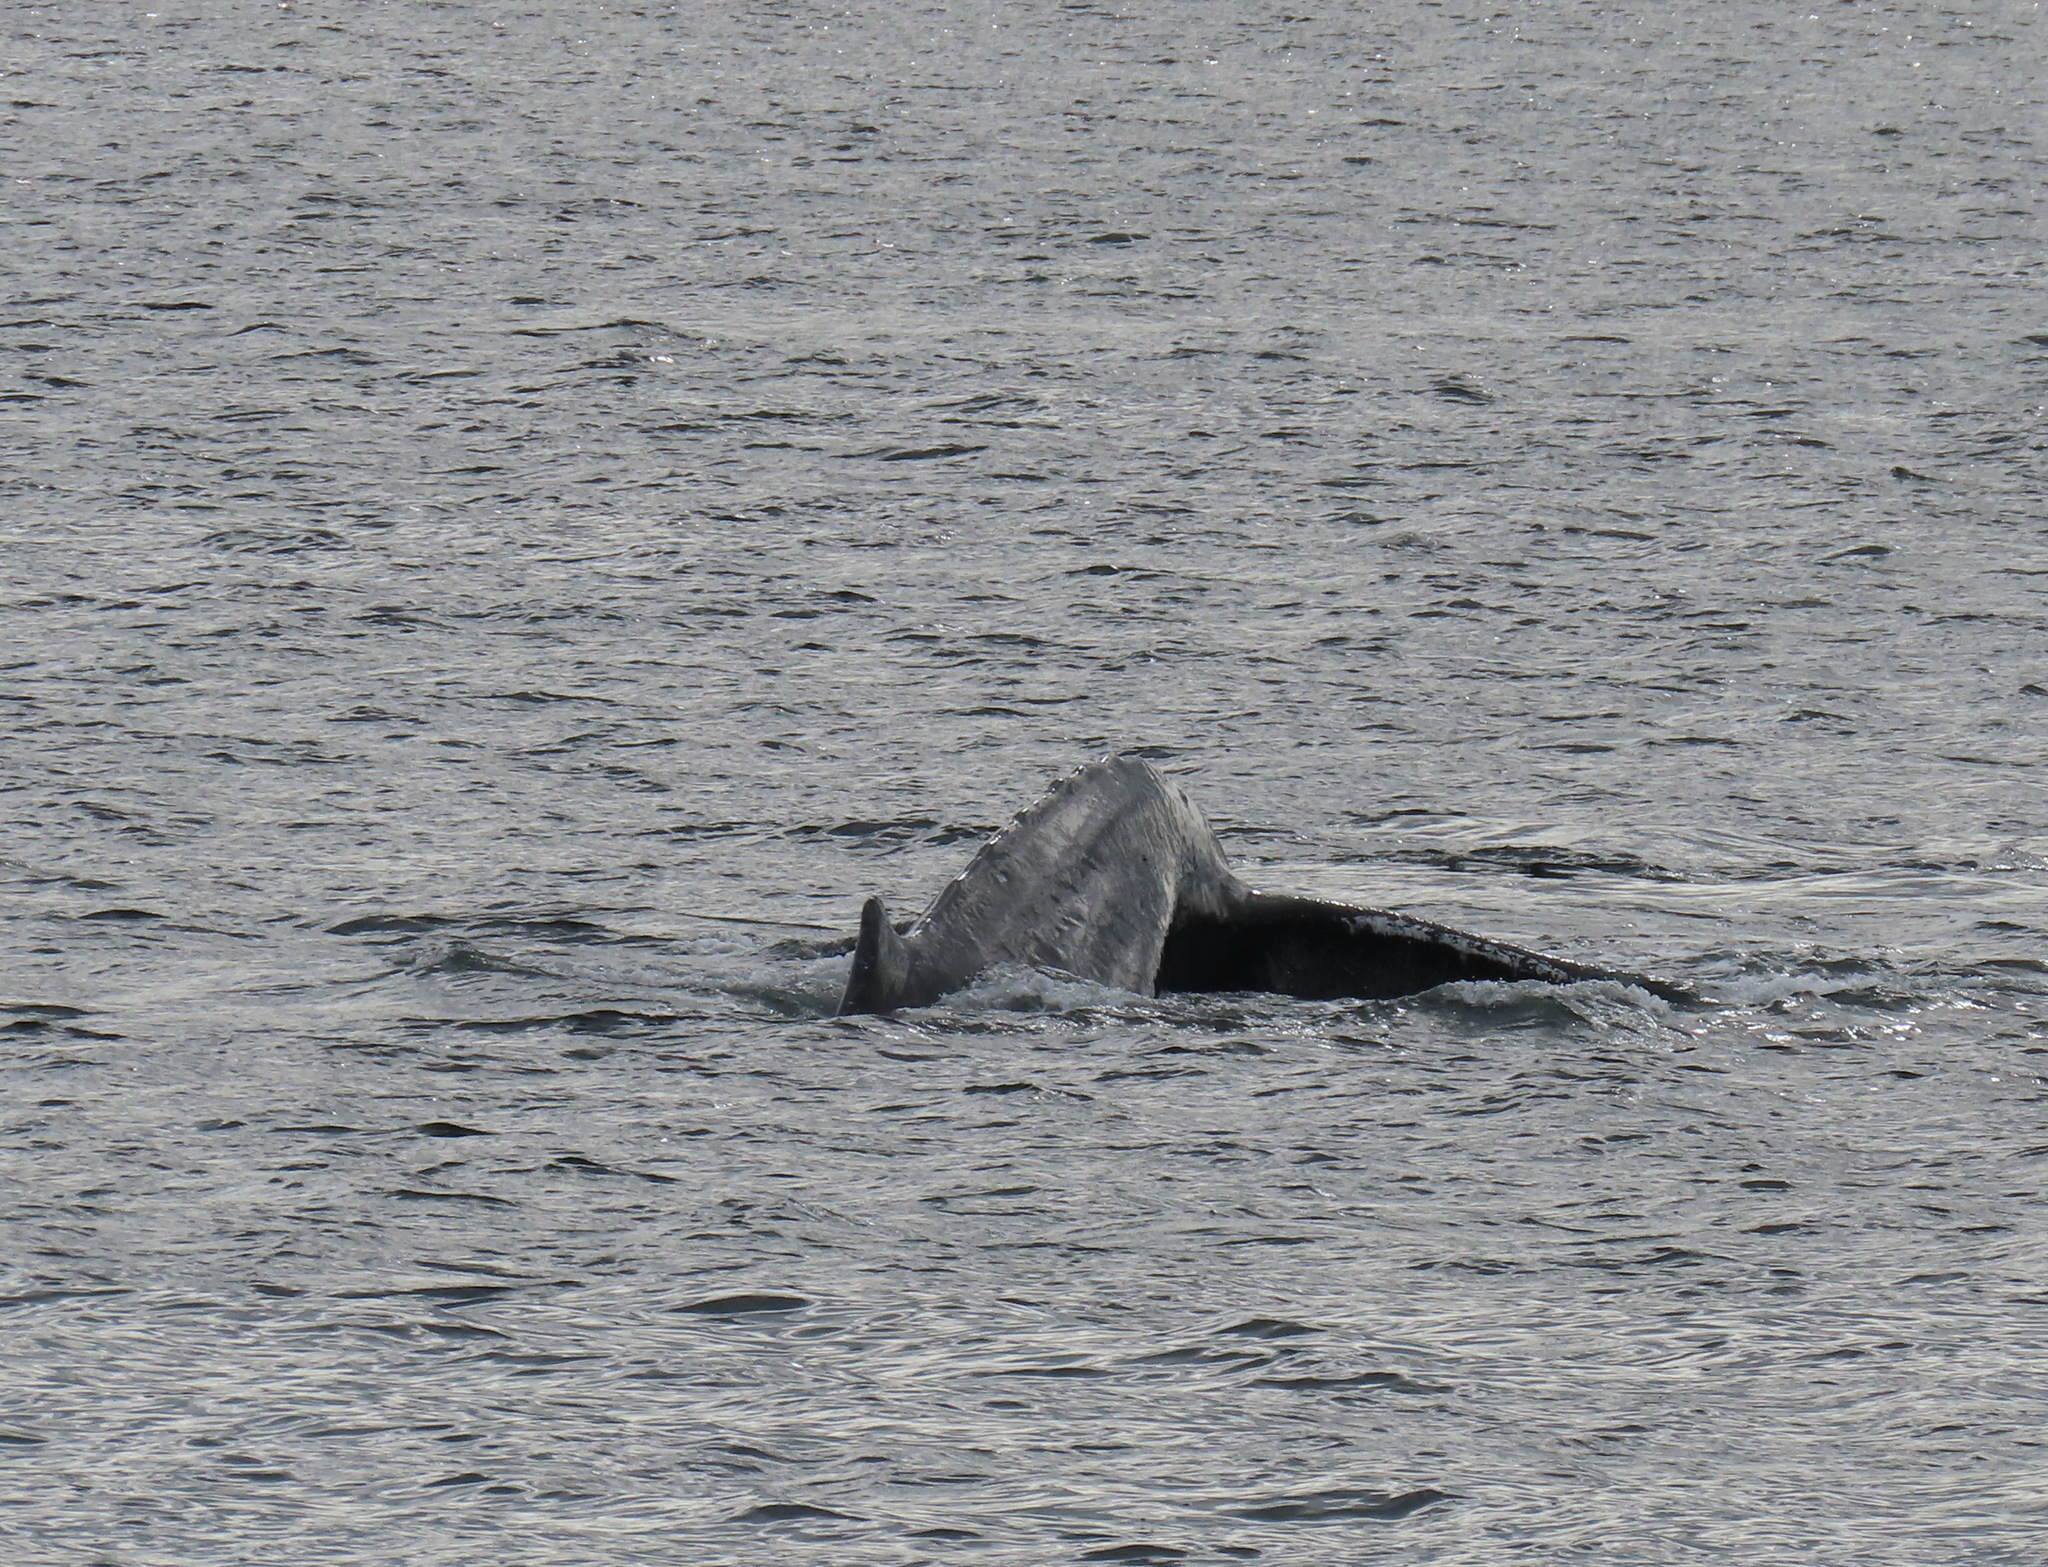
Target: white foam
[[1017, 987]]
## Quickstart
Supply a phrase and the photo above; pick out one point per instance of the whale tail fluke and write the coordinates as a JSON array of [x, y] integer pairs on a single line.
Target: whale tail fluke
[[881, 964], [1114, 877]]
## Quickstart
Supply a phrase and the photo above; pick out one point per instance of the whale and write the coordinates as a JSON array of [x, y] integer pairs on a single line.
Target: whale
[[1114, 876]]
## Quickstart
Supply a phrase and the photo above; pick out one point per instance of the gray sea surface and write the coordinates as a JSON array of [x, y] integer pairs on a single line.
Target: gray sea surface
[[514, 519]]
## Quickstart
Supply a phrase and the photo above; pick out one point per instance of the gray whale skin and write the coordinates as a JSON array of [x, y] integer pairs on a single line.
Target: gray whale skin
[[1114, 877]]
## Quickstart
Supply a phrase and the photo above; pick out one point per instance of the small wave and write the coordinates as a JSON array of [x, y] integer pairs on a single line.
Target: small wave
[[904, 832], [1016, 987], [1337, 1505], [389, 924], [1530, 1002], [1539, 860], [1854, 983], [459, 957], [792, 982], [275, 540], [586, 1020]]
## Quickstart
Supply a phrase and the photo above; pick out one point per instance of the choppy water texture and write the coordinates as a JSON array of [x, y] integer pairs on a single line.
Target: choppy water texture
[[489, 490]]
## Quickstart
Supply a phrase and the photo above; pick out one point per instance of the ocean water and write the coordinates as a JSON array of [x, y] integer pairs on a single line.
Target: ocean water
[[513, 521]]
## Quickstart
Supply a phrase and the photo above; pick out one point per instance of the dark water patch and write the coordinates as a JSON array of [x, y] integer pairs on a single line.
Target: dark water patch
[[792, 1512], [440, 1294], [1533, 860], [739, 830], [1460, 389], [276, 541], [744, 1305], [417, 1194], [1271, 1328], [536, 1364], [1486, 1267], [38, 1297], [468, 1331], [596, 1020], [1193, 1356], [582, 1164], [1386, 1381], [397, 924], [1151, 1074], [461, 958], [1338, 1505], [1226, 1047], [1679, 1257], [921, 453], [1051, 1372], [919, 831]]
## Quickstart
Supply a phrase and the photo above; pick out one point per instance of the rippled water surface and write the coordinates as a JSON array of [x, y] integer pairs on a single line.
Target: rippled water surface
[[516, 519]]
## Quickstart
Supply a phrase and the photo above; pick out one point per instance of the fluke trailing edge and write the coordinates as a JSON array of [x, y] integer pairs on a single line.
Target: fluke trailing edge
[[1114, 877]]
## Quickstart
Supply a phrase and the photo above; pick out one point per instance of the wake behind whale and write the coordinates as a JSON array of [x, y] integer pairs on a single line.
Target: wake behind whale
[[1115, 877]]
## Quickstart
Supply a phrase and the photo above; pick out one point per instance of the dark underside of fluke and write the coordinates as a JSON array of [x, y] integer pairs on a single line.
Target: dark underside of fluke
[[1294, 948], [1114, 877]]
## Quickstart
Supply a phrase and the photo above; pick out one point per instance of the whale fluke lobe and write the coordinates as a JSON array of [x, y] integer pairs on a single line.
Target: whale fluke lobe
[[1114, 877], [881, 964]]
